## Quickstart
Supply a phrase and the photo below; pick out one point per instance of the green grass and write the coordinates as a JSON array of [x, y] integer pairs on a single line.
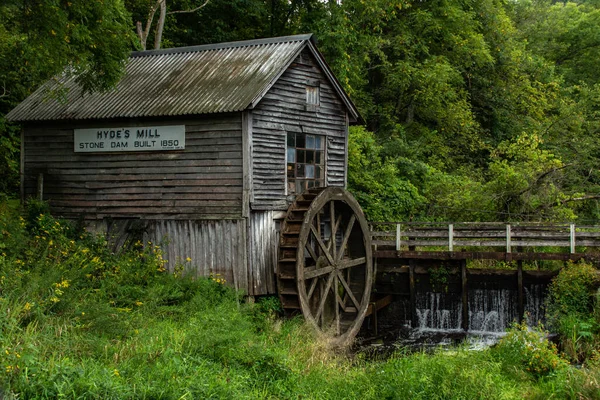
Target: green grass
[[79, 322]]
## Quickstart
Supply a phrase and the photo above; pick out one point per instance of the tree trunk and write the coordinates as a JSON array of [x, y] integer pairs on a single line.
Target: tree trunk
[[160, 24]]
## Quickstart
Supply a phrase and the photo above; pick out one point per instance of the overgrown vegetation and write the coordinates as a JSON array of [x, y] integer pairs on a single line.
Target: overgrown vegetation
[[80, 322], [573, 311]]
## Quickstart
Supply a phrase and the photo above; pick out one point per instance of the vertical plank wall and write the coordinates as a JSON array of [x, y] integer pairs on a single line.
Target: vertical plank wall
[[214, 247], [262, 252], [283, 109]]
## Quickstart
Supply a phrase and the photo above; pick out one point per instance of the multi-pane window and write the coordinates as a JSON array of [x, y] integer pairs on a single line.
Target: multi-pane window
[[305, 162]]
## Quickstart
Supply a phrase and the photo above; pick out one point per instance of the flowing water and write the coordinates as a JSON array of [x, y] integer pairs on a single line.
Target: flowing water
[[491, 312]]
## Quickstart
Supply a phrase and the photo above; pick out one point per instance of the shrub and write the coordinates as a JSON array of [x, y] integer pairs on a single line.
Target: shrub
[[528, 349], [571, 309]]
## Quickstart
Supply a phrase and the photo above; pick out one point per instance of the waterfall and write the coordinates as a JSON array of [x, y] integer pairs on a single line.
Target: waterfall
[[438, 311], [491, 310], [535, 298]]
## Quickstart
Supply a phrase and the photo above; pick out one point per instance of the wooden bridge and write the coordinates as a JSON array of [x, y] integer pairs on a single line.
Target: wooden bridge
[[406, 251]]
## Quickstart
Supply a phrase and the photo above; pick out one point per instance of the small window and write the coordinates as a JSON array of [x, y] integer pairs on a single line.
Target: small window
[[313, 97], [305, 162]]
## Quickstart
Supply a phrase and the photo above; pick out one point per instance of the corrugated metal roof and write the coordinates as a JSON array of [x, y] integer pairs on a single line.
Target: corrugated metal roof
[[213, 78]]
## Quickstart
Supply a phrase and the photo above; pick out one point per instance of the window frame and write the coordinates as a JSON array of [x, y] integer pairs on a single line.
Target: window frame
[[323, 164]]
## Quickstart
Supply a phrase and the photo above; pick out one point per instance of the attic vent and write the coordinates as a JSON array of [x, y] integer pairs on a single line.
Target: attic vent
[[312, 95]]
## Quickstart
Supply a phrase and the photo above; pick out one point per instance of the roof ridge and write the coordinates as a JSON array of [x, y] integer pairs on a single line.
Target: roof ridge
[[224, 45]]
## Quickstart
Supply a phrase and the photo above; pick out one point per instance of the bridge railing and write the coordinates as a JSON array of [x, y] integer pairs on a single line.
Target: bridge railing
[[408, 236]]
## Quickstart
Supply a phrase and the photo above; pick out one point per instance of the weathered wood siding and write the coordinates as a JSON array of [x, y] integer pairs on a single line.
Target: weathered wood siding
[[204, 181], [262, 252], [283, 109], [216, 248]]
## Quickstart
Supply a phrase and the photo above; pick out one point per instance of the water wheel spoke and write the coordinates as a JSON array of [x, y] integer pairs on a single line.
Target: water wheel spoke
[[314, 272], [312, 288], [348, 290], [346, 236], [331, 241], [324, 296], [351, 263], [321, 245], [311, 251]]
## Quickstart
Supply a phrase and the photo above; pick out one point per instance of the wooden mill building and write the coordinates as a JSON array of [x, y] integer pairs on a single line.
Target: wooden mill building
[[200, 148]]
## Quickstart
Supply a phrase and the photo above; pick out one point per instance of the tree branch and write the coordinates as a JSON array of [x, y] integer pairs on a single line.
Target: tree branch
[[581, 198], [4, 92], [542, 176], [189, 11]]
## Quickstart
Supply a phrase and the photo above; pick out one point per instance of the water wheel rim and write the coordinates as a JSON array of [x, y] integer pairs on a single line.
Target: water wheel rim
[[334, 265]]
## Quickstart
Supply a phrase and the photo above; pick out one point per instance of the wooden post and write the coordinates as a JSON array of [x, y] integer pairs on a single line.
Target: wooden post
[[247, 191], [413, 293], [508, 239], [572, 238], [520, 294], [398, 235], [375, 323], [40, 187], [451, 238], [465, 295]]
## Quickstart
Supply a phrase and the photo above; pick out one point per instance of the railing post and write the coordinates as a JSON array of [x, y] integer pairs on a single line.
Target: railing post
[[508, 239], [572, 238], [450, 237], [398, 234]]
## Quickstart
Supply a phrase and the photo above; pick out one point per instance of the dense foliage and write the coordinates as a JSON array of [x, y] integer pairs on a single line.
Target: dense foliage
[[474, 109], [573, 310], [81, 322]]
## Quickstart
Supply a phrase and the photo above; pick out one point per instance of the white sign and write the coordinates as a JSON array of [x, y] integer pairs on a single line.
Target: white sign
[[138, 138]]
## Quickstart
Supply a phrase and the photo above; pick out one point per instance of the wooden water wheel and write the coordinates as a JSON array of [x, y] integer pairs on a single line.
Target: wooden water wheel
[[325, 266]]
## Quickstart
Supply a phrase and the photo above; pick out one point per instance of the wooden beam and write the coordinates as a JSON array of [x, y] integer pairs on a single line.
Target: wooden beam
[[413, 294], [246, 162], [520, 293], [481, 255]]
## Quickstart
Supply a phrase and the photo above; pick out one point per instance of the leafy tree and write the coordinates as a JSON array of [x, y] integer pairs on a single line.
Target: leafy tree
[[39, 38], [374, 181]]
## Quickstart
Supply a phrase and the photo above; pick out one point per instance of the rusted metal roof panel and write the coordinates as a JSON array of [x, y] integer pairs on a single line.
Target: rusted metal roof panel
[[214, 78]]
